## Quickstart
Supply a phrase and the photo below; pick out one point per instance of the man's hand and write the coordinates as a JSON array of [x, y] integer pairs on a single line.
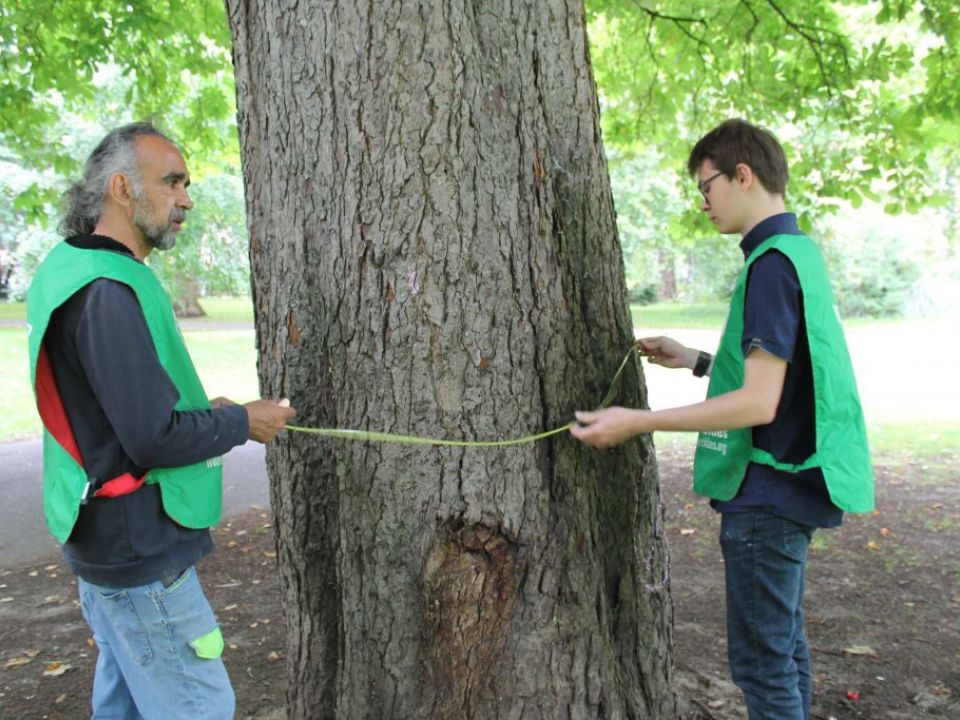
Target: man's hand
[[267, 418], [219, 402], [611, 426], [667, 352]]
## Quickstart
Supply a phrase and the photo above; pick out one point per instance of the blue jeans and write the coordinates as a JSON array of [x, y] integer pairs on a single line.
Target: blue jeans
[[765, 559], [159, 652]]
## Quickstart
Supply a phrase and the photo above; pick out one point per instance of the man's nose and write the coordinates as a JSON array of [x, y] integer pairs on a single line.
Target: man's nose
[[185, 202]]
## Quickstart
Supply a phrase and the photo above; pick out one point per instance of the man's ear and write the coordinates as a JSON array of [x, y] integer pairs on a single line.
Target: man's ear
[[119, 189]]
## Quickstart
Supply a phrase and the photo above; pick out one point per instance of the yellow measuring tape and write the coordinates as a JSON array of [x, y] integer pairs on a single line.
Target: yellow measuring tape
[[416, 440]]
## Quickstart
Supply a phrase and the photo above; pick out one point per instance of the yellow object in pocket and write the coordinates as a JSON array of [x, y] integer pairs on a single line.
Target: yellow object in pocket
[[209, 646]]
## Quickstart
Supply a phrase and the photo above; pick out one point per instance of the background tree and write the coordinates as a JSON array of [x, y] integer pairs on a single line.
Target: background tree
[[434, 252]]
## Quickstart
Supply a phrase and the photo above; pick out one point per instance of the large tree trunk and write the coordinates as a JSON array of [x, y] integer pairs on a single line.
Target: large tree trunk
[[434, 252]]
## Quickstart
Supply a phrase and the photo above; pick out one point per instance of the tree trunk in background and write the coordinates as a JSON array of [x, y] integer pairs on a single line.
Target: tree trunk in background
[[434, 252], [668, 274], [186, 303]]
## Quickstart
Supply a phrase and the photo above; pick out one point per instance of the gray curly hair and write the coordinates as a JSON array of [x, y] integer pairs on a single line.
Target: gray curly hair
[[115, 153]]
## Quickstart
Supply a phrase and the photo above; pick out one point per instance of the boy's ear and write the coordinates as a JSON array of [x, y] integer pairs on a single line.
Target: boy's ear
[[743, 176]]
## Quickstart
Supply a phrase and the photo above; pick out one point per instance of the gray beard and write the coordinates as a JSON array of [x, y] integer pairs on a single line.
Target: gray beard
[[160, 237]]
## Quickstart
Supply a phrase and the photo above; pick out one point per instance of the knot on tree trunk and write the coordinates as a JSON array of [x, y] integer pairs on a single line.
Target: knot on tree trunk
[[470, 586]]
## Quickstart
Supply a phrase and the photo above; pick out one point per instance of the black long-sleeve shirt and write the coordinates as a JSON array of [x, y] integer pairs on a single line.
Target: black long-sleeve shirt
[[120, 402]]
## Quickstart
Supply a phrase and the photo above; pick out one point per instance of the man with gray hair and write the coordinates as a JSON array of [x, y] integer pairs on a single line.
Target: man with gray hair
[[132, 445]]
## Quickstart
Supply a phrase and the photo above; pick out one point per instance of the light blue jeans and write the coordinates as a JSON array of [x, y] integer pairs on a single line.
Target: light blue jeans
[[147, 667], [765, 561]]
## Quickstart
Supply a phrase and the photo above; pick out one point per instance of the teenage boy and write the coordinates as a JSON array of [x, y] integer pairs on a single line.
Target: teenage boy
[[782, 447]]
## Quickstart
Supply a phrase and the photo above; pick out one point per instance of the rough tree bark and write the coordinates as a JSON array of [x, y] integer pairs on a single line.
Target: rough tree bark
[[434, 252]]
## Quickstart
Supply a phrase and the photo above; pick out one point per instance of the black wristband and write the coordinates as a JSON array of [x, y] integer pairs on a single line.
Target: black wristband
[[703, 364]]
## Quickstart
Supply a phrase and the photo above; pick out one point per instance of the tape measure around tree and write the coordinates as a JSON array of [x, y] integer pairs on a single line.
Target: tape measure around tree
[[381, 437]]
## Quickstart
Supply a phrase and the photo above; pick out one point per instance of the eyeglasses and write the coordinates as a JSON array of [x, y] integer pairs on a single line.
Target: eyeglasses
[[704, 187]]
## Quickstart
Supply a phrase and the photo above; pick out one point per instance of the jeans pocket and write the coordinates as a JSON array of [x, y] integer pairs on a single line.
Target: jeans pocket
[[796, 540], [170, 583], [188, 615], [117, 608]]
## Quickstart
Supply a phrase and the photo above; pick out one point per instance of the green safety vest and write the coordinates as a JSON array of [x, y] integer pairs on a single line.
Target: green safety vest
[[192, 495], [841, 452]]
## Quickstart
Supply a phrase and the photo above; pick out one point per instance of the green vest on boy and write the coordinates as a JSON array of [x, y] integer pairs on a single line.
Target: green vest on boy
[[192, 495], [842, 452]]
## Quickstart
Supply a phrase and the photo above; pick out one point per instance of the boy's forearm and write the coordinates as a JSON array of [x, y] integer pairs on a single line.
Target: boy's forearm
[[737, 409]]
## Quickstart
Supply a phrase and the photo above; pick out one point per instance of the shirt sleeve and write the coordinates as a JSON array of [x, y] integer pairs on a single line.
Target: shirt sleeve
[[137, 396], [773, 307]]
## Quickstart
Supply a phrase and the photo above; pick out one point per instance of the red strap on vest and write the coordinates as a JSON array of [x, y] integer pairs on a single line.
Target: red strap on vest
[[120, 485], [50, 407], [55, 420]]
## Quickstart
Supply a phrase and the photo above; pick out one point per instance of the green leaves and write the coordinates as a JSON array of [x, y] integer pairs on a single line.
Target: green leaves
[[828, 72], [863, 93], [173, 57]]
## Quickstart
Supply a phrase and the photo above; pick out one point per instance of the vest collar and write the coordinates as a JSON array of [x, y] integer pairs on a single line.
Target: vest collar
[[779, 224], [98, 242]]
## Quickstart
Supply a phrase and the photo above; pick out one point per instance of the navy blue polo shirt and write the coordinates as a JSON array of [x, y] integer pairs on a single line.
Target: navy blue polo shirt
[[773, 321]]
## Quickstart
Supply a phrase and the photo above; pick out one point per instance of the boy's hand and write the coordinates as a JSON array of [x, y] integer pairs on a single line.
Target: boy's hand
[[610, 426], [667, 352]]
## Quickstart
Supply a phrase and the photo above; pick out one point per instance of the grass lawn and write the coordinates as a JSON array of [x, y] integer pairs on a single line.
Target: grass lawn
[[228, 309], [913, 415], [219, 309], [706, 316], [18, 419], [907, 440], [225, 360], [13, 311]]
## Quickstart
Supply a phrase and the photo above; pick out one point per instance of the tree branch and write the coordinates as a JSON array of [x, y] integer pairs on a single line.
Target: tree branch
[[672, 18], [816, 44]]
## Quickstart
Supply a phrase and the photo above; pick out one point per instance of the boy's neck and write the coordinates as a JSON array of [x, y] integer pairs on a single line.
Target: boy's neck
[[766, 206]]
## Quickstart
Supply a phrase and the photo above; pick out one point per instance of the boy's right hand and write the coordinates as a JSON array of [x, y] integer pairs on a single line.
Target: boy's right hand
[[266, 418], [661, 350]]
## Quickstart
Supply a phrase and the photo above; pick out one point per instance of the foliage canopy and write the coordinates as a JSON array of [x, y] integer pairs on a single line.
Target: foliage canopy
[[863, 94]]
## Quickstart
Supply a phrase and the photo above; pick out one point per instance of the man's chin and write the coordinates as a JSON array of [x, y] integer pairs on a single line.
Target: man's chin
[[165, 242]]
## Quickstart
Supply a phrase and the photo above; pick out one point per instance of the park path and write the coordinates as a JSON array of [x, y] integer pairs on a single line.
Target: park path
[[23, 533]]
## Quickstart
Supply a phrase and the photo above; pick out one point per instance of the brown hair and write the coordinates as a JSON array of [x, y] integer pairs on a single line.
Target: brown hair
[[736, 141]]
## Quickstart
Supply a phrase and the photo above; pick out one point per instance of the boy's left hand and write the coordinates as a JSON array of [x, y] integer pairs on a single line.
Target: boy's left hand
[[609, 427]]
